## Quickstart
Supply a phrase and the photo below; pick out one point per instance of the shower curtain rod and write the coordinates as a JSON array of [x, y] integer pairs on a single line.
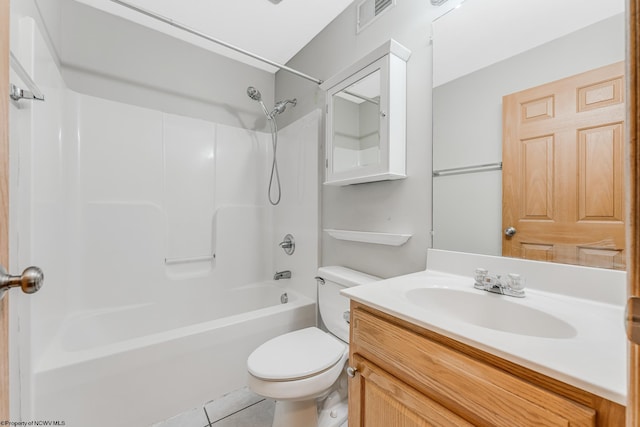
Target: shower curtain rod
[[214, 40]]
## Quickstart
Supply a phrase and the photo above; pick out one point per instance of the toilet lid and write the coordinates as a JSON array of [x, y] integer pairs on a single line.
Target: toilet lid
[[295, 355]]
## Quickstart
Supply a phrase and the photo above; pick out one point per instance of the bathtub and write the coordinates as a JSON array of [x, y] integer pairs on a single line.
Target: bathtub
[[136, 365]]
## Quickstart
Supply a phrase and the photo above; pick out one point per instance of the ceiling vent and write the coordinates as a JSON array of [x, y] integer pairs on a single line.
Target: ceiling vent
[[370, 10]]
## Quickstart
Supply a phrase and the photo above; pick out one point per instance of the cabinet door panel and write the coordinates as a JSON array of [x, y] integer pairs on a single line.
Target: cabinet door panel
[[384, 401]]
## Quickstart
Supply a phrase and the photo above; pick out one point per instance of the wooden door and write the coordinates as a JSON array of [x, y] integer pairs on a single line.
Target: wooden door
[[563, 170], [633, 197], [4, 203]]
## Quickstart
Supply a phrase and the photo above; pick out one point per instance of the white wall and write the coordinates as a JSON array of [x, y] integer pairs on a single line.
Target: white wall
[[402, 206], [483, 32], [113, 58]]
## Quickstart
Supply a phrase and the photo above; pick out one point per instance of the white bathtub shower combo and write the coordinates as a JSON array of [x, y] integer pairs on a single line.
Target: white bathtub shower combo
[[132, 366], [159, 247]]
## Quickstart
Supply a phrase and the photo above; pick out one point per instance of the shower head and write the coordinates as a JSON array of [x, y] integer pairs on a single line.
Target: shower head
[[279, 108], [254, 93]]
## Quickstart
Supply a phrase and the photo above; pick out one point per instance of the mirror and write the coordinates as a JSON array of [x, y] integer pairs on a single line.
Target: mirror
[[356, 126], [366, 124], [480, 56]]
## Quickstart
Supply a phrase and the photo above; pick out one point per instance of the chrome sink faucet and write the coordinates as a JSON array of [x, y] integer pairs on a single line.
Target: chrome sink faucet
[[512, 285]]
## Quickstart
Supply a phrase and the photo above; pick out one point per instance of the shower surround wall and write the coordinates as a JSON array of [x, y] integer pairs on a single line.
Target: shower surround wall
[[155, 187], [110, 190]]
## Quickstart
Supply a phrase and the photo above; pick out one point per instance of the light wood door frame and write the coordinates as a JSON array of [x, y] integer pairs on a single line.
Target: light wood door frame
[[633, 198], [4, 203]]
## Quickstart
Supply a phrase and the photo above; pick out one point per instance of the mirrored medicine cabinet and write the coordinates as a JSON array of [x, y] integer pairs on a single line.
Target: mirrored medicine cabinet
[[366, 118]]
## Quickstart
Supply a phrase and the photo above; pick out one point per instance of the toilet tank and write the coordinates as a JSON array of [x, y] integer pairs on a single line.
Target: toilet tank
[[332, 305]]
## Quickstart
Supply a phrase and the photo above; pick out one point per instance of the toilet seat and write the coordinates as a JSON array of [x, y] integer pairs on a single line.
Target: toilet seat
[[296, 355], [311, 387]]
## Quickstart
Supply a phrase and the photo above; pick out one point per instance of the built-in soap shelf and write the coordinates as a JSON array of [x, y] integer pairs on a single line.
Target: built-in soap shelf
[[390, 239]]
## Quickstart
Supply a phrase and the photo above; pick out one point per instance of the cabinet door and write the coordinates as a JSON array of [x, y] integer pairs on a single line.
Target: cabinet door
[[377, 399], [366, 119]]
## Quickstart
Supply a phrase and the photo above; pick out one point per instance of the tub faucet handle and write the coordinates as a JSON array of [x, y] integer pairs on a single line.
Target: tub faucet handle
[[288, 244]]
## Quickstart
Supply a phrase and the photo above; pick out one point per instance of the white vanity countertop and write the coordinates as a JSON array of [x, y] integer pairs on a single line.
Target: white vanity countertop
[[593, 359]]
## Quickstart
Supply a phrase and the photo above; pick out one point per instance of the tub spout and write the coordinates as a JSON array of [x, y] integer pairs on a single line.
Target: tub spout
[[282, 275]]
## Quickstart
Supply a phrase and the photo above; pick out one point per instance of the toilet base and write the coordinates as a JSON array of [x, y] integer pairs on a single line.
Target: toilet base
[[295, 413], [333, 411]]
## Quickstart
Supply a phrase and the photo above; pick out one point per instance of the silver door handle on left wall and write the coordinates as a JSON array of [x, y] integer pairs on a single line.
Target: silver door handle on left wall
[[30, 280]]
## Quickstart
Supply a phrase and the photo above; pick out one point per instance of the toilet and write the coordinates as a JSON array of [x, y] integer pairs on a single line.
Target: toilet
[[304, 370]]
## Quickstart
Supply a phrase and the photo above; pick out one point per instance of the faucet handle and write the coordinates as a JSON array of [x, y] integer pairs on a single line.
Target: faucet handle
[[515, 285], [288, 244], [480, 276], [515, 281]]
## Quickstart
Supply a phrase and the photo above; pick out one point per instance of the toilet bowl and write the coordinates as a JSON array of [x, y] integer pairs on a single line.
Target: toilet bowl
[[304, 370]]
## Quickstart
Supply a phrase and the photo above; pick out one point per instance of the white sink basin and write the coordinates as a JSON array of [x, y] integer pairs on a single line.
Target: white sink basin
[[490, 311]]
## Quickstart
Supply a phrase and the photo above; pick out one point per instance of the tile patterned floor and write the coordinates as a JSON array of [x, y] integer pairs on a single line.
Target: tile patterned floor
[[241, 408]]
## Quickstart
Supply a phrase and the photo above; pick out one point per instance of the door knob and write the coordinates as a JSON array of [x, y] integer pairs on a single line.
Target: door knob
[[510, 231], [30, 280]]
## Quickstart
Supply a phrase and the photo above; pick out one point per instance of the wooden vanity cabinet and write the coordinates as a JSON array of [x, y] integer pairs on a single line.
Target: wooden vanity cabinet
[[409, 376]]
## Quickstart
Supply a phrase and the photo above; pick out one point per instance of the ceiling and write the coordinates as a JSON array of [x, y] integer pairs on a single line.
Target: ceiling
[[274, 29]]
